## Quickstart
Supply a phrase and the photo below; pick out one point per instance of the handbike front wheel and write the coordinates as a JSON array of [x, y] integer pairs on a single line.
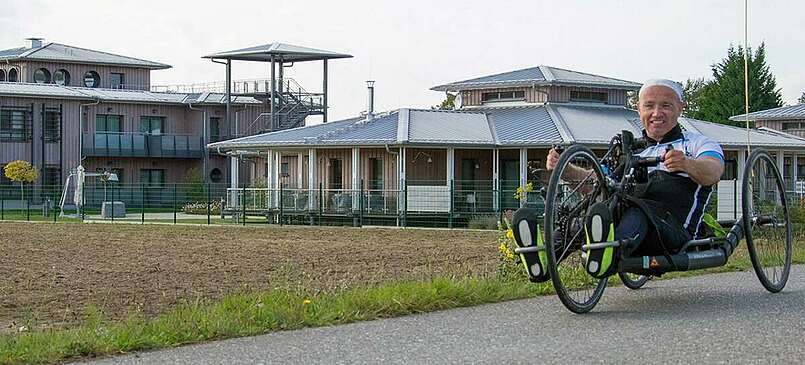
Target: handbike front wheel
[[633, 281], [576, 183], [766, 221]]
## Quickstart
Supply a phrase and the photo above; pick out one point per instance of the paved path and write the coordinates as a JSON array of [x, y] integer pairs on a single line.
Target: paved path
[[724, 318]]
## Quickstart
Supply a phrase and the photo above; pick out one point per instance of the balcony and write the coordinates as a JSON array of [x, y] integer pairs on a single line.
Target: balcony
[[142, 145]]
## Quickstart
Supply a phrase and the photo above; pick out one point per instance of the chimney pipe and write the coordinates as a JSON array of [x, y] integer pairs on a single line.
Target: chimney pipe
[[34, 42], [370, 100]]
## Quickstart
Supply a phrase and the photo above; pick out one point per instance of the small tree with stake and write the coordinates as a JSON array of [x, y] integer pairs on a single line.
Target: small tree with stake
[[22, 172]]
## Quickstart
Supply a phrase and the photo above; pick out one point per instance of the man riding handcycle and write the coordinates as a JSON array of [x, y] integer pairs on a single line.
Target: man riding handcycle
[[640, 209]]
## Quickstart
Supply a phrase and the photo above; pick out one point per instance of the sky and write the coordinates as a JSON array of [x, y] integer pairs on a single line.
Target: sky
[[407, 47]]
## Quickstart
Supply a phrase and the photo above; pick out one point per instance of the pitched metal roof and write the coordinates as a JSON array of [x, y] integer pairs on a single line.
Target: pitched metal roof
[[520, 126], [64, 53], [781, 113], [18, 89], [538, 76], [288, 52]]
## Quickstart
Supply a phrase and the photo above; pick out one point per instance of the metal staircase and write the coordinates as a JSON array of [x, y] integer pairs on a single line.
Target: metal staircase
[[292, 103]]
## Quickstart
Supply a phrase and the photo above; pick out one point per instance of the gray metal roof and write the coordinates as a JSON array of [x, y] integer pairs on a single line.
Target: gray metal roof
[[523, 125], [18, 89], [288, 52], [536, 126], [538, 76], [64, 53], [781, 113]]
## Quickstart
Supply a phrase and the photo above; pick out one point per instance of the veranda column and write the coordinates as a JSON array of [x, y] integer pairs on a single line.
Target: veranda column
[[311, 180], [270, 163], [356, 178], [234, 171], [451, 177], [495, 180], [401, 203], [300, 173], [781, 167], [277, 178], [523, 173], [795, 167]]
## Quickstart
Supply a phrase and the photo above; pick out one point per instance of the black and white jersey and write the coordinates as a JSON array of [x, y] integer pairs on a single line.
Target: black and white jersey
[[676, 193]]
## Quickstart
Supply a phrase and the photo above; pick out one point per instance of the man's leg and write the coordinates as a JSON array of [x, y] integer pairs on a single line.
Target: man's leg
[[633, 225]]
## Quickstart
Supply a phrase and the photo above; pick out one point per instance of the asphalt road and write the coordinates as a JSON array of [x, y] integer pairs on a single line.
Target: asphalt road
[[723, 318]]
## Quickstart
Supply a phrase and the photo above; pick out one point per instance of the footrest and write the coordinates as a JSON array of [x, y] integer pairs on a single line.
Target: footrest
[[530, 247]]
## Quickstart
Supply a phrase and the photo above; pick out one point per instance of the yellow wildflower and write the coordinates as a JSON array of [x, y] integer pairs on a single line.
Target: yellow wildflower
[[510, 234], [306, 302]]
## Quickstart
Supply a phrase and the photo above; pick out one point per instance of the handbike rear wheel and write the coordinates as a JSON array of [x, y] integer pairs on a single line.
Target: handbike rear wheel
[[766, 220], [576, 182], [633, 281]]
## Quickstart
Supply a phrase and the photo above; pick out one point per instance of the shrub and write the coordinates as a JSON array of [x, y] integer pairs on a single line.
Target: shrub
[[484, 221]]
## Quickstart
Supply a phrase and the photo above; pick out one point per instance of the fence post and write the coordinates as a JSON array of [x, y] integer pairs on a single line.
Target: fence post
[[209, 202], [321, 201], [450, 207], [83, 200], [113, 203], [500, 204], [243, 204], [142, 203], [360, 204], [280, 218], [405, 204], [55, 200], [28, 207], [2, 206], [174, 203]]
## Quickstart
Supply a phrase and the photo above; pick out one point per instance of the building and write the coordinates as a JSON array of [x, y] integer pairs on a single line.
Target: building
[[460, 162], [61, 106], [790, 121]]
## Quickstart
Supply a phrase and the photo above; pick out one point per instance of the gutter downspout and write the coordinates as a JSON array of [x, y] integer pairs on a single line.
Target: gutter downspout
[[81, 129], [204, 141]]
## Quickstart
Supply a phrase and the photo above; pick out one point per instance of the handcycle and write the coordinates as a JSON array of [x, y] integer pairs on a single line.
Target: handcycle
[[578, 207]]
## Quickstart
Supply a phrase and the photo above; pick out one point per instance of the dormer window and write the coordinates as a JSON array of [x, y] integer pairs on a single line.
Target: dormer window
[[13, 75], [502, 96], [2, 75], [92, 79], [42, 76], [61, 77], [588, 96], [116, 80]]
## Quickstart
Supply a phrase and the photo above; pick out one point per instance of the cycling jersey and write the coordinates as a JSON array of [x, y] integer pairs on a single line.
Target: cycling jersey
[[676, 194]]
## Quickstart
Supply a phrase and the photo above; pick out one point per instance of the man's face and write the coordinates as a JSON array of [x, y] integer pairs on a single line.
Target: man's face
[[659, 109]]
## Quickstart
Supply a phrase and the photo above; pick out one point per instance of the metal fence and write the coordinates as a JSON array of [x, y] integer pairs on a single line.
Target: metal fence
[[474, 204]]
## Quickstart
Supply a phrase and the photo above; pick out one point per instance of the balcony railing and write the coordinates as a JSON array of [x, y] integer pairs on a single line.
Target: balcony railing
[[142, 145]]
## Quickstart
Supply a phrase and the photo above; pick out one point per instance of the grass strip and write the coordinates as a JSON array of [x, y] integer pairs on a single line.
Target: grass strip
[[280, 309], [251, 314]]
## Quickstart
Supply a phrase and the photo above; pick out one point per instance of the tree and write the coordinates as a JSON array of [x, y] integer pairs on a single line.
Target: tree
[[690, 92], [723, 96], [801, 99], [449, 103], [22, 172]]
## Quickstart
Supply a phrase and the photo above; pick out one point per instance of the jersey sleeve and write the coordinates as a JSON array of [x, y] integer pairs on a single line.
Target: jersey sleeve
[[708, 147]]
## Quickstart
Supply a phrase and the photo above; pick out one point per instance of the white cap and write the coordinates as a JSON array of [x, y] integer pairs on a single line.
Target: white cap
[[673, 85]]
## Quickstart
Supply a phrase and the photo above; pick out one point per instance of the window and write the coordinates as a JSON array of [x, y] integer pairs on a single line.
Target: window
[[216, 175], [503, 96], [51, 175], [13, 75], [92, 79], [215, 129], [787, 126], [152, 178], [62, 77], [376, 174], [285, 169], [336, 182], [4, 181], [588, 96], [42, 76], [152, 125], [116, 80], [15, 125], [52, 125], [108, 123], [2, 75]]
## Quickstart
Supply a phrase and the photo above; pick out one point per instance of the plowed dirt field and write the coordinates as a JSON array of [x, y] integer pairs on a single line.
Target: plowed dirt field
[[51, 274]]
